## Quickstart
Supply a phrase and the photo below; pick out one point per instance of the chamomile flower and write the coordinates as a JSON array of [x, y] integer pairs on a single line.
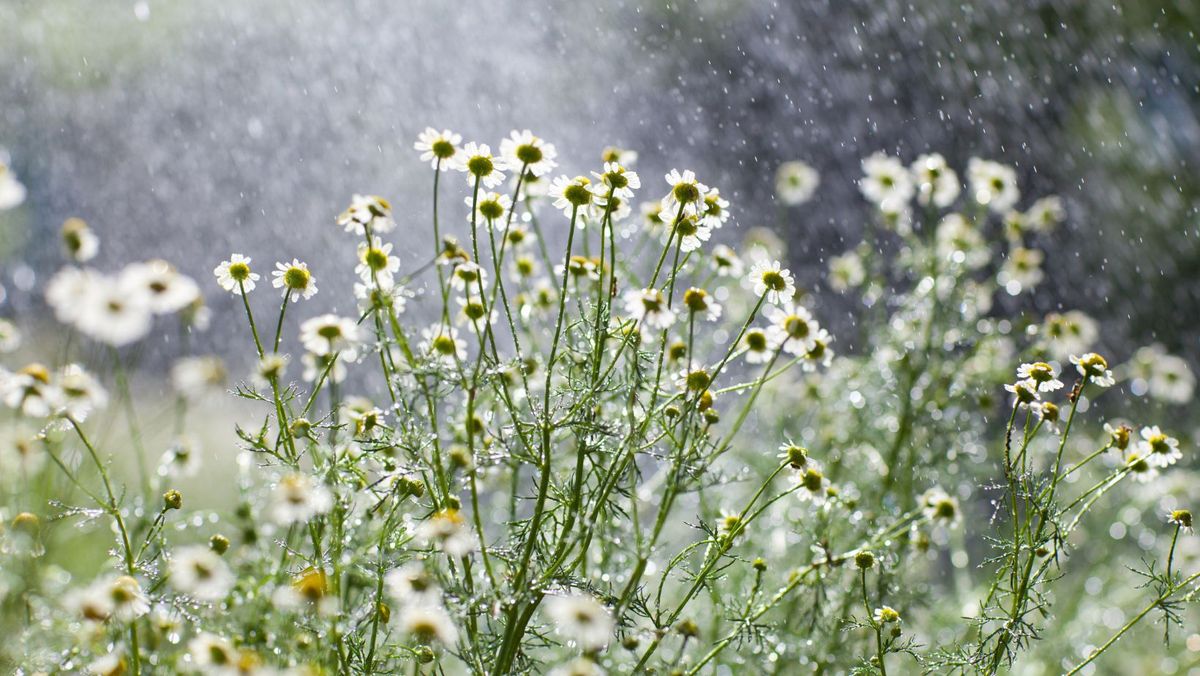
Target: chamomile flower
[[376, 264], [649, 307], [886, 615], [112, 664], [1048, 413], [937, 184], [491, 208], [993, 185], [699, 301], [794, 455], [715, 210], [622, 156], [1095, 368], [770, 280], [473, 310], [686, 193], [693, 232], [846, 271], [213, 654], [295, 280], [726, 262], [885, 182], [1139, 467], [793, 327], [331, 366], [960, 242], [696, 379], [617, 180], [481, 166], [196, 377], [10, 336], [524, 150], [428, 623], [1046, 213], [1181, 518], [1022, 270], [796, 183], [1024, 392], [812, 485], [298, 498], [412, 583], [571, 194], [115, 311], [448, 531], [1068, 333], [819, 355], [80, 392], [580, 666], [940, 507], [757, 345], [12, 192], [467, 277], [582, 619], [235, 275], [201, 573], [129, 602], [616, 208], [652, 217], [80, 243], [1043, 376], [328, 334], [30, 391], [166, 290], [367, 212], [442, 344], [440, 149], [1163, 376], [1159, 449], [181, 459], [1118, 435]]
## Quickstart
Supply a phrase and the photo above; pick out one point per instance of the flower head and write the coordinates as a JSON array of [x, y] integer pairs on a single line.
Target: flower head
[[886, 182], [367, 212], [1159, 449], [481, 166], [796, 182], [571, 194], [524, 150], [686, 193], [235, 275], [295, 280], [770, 280], [201, 573], [993, 185], [1042, 376], [649, 307], [582, 619], [298, 498], [937, 184], [328, 334], [792, 327], [80, 243], [440, 149], [1093, 367], [490, 208], [940, 507]]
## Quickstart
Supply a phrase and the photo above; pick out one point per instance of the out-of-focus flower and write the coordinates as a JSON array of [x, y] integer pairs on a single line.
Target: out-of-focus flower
[[796, 182]]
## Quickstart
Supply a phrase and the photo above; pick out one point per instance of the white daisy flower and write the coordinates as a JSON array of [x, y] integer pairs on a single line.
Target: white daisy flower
[[886, 182], [428, 623], [199, 572], [196, 377], [367, 212], [1140, 468], [112, 664], [80, 392], [993, 185], [693, 232], [328, 334], [715, 210], [441, 343], [523, 149], [1095, 368], [298, 498], [582, 619], [12, 192], [166, 289], [468, 277], [685, 191], [726, 262], [571, 194], [819, 355], [1042, 376], [448, 531], [796, 183], [1068, 333], [813, 486], [793, 327], [491, 208], [237, 269], [649, 307], [80, 243], [846, 271], [700, 301], [440, 149], [412, 583], [1046, 213], [1022, 270], [381, 295], [770, 280], [295, 280], [937, 184], [332, 366], [213, 654], [961, 243], [940, 507], [30, 391], [481, 166], [1024, 392], [621, 156], [618, 180], [758, 347], [182, 459], [129, 602], [115, 311], [886, 615], [1159, 449]]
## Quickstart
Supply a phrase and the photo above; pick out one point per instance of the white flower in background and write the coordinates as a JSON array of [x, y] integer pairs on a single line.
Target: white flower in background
[[793, 327], [1068, 333], [371, 295], [196, 377], [770, 280], [128, 600], [649, 307], [726, 262], [961, 243], [428, 623], [618, 180], [617, 208], [298, 498], [213, 654], [571, 194], [80, 392], [441, 343], [367, 212], [1159, 449], [295, 280], [332, 366], [112, 664], [886, 615], [819, 355], [201, 573], [1140, 468], [440, 149], [622, 156], [700, 301], [1161, 375], [182, 459], [235, 276], [523, 149], [270, 369], [796, 183], [80, 243], [580, 666], [446, 530], [473, 311], [686, 192], [481, 166], [758, 347], [1025, 393], [10, 336], [812, 485], [993, 185], [652, 217], [491, 208], [846, 271], [1095, 368], [467, 277], [937, 184], [582, 619], [329, 334], [886, 182], [1042, 376], [115, 311], [715, 210], [12, 193], [166, 289], [30, 391], [92, 603], [1022, 270], [412, 583], [1046, 213], [940, 507], [693, 232]]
